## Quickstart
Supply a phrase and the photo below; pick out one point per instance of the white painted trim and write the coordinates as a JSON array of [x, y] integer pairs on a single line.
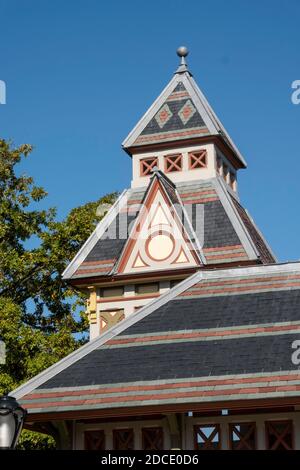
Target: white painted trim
[[116, 267], [201, 258], [262, 236], [289, 267], [187, 81], [218, 123], [188, 221], [95, 236]]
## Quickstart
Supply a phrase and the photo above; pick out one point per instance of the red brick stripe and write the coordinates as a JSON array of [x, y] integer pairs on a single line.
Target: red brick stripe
[[239, 289], [134, 201], [95, 270], [197, 193], [93, 263], [223, 248], [207, 334], [178, 94], [131, 297], [152, 138], [172, 386], [226, 255], [201, 200], [187, 394], [246, 280]]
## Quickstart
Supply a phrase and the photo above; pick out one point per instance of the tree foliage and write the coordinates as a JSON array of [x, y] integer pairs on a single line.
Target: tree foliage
[[39, 315]]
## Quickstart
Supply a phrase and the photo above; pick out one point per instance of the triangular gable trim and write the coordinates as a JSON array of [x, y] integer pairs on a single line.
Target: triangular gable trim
[[189, 227], [130, 245]]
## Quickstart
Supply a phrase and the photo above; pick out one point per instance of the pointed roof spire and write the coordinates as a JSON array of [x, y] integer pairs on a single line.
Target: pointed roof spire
[[181, 112], [182, 52]]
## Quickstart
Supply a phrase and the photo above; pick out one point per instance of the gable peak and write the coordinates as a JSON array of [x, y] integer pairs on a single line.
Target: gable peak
[[181, 115]]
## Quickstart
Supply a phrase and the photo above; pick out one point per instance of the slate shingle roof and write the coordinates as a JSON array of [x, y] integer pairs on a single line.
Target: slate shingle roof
[[174, 127], [265, 254], [180, 112], [226, 335]]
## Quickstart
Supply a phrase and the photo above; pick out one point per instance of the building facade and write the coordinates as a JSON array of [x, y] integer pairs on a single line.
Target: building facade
[[194, 325]]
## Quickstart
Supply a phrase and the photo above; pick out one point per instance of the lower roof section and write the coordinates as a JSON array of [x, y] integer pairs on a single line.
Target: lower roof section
[[196, 390], [218, 336]]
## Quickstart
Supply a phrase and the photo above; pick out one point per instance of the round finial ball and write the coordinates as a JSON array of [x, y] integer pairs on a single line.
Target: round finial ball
[[182, 51]]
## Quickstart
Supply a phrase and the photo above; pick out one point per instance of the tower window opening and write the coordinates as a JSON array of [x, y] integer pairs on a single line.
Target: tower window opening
[[232, 180], [219, 165], [279, 435], [142, 289], [225, 172], [112, 292]]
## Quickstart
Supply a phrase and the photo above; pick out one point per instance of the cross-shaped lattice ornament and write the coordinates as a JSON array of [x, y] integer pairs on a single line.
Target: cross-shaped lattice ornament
[[198, 159], [173, 163], [147, 166]]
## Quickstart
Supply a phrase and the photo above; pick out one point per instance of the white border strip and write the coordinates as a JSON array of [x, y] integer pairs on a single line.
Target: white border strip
[[261, 234]]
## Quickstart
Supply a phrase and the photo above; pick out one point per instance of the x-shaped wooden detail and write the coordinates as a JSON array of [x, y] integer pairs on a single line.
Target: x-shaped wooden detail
[[94, 440], [123, 439], [244, 439], [147, 166], [173, 163], [279, 435], [197, 159], [208, 443], [152, 438]]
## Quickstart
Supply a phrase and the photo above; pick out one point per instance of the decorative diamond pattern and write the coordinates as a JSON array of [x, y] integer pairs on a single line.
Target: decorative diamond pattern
[[163, 116], [187, 111]]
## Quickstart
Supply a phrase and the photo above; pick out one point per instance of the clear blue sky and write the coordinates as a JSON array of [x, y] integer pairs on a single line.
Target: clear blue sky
[[80, 73]]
